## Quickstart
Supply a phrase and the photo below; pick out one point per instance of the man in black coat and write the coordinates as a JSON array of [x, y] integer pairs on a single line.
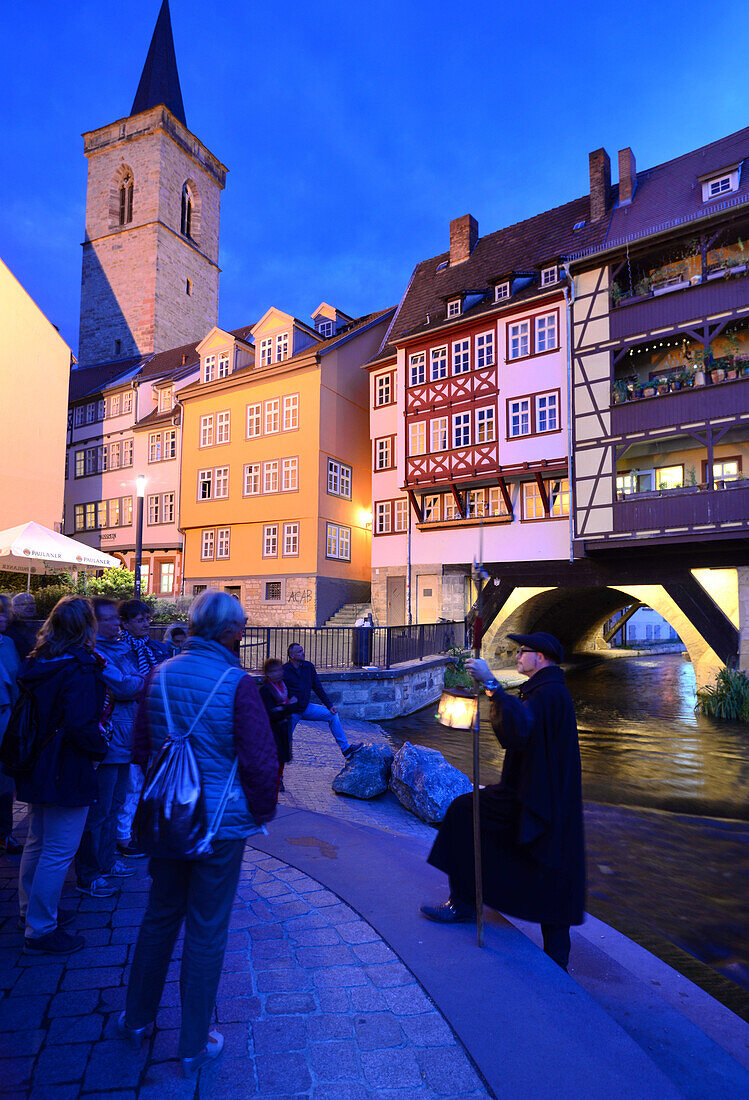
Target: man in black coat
[[532, 846]]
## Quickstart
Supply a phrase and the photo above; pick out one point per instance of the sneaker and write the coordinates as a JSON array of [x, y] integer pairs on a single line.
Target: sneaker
[[64, 917], [54, 943], [120, 870], [213, 1048], [134, 1035], [98, 888], [130, 849], [352, 749]]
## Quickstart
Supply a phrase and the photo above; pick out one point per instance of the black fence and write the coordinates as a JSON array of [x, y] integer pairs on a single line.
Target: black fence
[[343, 647]]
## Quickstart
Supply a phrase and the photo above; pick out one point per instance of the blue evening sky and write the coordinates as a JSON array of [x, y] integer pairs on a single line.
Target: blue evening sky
[[355, 131]]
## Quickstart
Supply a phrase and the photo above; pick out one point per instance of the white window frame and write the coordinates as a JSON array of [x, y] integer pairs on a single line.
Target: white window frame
[[461, 427], [501, 291], [384, 453], [291, 412], [127, 452], [167, 507], [153, 509], [519, 410], [209, 368], [270, 476], [272, 415], [266, 351], [384, 389], [270, 540], [325, 328], [221, 483], [166, 568], [252, 479], [154, 447], [439, 434], [550, 275], [206, 430], [339, 479], [289, 475], [223, 366], [519, 339], [254, 420], [484, 350], [417, 438], [486, 425], [546, 338], [438, 363], [290, 544], [417, 368], [430, 506], [338, 542], [223, 543], [400, 515], [205, 485], [454, 307], [383, 518], [207, 544], [282, 346], [223, 427], [169, 445], [559, 500], [723, 183], [461, 356], [546, 406], [166, 399]]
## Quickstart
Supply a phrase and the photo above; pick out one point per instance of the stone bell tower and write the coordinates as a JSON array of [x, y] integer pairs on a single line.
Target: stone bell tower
[[150, 254]]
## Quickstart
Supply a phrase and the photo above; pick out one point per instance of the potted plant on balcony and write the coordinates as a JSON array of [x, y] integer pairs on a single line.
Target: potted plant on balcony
[[643, 288], [662, 384], [619, 391], [702, 358], [648, 390], [671, 277], [718, 372]]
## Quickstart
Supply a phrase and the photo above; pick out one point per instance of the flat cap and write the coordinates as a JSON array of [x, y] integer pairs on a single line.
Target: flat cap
[[541, 642]]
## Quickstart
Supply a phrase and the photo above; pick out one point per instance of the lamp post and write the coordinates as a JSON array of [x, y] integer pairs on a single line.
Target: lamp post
[[140, 491]]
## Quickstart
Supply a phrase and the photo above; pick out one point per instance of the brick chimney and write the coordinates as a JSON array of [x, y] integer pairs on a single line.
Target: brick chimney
[[464, 235], [600, 183], [627, 176]]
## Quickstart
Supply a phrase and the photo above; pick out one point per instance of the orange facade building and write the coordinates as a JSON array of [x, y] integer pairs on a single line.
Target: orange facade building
[[275, 466]]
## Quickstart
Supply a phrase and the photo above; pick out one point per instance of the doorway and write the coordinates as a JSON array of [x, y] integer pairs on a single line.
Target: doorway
[[426, 598], [396, 601]]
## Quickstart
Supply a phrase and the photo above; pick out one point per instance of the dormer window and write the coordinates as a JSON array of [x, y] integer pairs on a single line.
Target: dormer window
[[325, 328], [454, 307], [282, 346], [723, 183], [223, 366], [166, 399], [266, 351], [209, 368], [549, 275], [501, 291]]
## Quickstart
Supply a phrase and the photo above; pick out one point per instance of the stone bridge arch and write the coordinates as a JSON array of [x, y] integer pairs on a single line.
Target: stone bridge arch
[[576, 615]]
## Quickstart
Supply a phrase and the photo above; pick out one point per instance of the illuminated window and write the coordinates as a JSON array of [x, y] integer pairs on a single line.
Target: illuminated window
[[438, 434], [417, 438], [167, 577], [669, 477], [486, 431]]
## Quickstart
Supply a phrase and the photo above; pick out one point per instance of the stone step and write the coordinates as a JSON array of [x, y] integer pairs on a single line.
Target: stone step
[[348, 614]]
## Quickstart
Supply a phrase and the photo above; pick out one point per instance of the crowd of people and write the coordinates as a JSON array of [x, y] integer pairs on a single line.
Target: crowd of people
[[111, 710]]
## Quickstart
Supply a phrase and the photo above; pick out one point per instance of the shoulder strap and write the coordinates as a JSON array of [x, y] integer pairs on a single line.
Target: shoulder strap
[[199, 715]]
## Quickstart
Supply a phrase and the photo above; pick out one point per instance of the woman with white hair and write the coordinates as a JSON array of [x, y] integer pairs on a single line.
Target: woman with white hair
[[203, 692]]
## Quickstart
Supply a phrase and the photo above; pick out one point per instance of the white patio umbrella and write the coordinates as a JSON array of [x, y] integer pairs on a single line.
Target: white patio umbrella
[[32, 548]]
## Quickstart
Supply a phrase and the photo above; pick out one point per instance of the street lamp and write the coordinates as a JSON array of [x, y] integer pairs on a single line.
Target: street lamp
[[140, 490]]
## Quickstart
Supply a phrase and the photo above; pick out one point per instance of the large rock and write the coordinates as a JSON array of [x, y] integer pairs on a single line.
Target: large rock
[[424, 782], [366, 773]]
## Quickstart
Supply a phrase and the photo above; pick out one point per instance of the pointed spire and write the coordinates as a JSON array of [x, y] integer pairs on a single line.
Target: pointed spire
[[159, 82]]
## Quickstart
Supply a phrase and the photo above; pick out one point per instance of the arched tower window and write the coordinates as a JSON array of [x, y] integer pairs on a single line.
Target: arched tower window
[[186, 226], [126, 200]]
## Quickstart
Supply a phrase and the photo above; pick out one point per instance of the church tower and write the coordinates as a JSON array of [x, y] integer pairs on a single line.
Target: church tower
[[150, 254]]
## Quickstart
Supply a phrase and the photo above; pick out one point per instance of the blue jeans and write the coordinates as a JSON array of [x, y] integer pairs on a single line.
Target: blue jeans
[[201, 892], [96, 853], [54, 833], [316, 712]]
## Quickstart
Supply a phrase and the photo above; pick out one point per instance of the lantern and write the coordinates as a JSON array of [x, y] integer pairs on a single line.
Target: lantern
[[457, 709]]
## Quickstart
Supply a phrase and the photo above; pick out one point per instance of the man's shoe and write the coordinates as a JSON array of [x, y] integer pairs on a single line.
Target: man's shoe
[[134, 1035], [54, 943], [213, 1048], [11, 846], [352, 749], [452, 911], [120, 870], [98, 888], [130, 849]]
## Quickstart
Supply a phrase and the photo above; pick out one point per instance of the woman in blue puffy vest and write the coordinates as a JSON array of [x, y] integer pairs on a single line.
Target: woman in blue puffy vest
[[233, 726]]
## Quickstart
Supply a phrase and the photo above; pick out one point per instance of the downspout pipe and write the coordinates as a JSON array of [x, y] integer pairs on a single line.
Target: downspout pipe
[[569, 298]]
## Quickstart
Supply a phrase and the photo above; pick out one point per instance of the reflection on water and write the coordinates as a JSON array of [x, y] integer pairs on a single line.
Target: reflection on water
[[640, 741]]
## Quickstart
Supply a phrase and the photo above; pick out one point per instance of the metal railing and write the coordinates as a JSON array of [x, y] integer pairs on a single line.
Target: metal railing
[[345, 647]]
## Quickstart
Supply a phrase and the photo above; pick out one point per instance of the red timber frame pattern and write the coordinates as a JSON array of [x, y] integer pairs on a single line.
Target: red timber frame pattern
[[603, 433]]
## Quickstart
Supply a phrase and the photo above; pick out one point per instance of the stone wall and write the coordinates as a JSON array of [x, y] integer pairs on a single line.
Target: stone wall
[[450, 591], [387, 693], [305, 600]]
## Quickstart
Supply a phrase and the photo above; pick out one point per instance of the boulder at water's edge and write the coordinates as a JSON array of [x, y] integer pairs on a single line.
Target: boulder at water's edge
[[424, 782], [366, 773]]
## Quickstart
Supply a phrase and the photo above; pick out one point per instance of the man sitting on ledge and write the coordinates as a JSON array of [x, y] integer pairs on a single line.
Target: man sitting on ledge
[[301, 679], [532, 849]]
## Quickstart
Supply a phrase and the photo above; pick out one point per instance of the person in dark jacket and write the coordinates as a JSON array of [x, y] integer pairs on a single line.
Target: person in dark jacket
[[9, 667], [301, 679], [22, 629], [65, 677], [280, 706], [202, 691], [532, 847], [95, 862], [146, 653]]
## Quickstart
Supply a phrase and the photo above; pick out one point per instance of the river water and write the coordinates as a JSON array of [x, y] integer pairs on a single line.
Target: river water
[[641, 744]]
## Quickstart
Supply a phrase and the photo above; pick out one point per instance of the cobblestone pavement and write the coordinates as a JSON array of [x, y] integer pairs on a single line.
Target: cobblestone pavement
[[312, 1002]]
